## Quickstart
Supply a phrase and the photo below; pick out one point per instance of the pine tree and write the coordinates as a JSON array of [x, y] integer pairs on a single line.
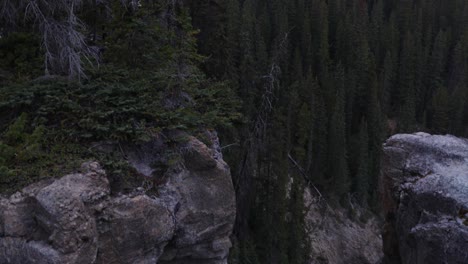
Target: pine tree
[[362, 176], [298, 244], [249, 254], [280, 176], [406, 85], [322, 60], [317, 162], [373, 118], [441, 108], [436, 84], [338, 167], [233, 18], [438, 62], [388, 81], [457, 84], [303, 133], [247, 67], [306, 42], [376, 28]]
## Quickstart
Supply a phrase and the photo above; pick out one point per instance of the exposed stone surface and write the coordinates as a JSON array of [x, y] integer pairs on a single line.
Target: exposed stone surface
[[75, 219], [337, 238], [204, 208], [424, 187]]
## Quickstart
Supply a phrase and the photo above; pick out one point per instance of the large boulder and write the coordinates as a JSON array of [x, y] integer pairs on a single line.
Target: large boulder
[[424, 187], [204, 206], [76, 219]]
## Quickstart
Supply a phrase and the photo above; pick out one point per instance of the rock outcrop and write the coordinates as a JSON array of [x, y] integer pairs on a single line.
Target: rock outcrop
[[337, 238], [424, 187], [76, 219]]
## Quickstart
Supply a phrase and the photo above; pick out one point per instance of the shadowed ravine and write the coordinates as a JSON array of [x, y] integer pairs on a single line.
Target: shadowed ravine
[[75, 219]]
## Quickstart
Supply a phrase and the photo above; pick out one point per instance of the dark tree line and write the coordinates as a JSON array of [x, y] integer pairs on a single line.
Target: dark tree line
[[349, 74]]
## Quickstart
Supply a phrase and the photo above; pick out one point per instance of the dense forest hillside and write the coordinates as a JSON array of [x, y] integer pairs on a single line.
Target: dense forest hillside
[[302, 93], [322, 84]]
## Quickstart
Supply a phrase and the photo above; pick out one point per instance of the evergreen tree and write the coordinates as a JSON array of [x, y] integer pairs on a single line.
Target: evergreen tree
[[389, 75], [458, 83], [363, 176], [374, 119], [303, 133], [406, 84], [233, 18], [306, 42], [317, 163], [247, 69], [437, 62], [298, 242], [338, 166], [441, 104]]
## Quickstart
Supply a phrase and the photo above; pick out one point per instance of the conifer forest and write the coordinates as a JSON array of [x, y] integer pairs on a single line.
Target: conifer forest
[[302, 94]]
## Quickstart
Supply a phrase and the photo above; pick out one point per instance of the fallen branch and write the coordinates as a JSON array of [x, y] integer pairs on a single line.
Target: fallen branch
[[306, 178]]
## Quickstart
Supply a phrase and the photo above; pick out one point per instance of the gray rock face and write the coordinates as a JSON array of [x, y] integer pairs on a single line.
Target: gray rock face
[[337, 238], [75, 219], [424, 186]]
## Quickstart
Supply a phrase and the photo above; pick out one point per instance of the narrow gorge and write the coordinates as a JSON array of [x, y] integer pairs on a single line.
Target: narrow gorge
[[189, 219]]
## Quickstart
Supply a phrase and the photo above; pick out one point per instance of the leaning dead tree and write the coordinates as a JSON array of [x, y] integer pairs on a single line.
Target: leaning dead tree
[[257, 138], [62, 32]]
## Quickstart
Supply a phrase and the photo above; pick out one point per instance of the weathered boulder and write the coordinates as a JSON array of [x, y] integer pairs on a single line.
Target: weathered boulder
[[134, 230], [424, 187], [76, 219], [204, 209]]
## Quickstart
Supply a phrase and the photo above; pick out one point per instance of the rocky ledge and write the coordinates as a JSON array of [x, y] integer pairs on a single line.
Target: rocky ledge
[[76, 219], [424, 187]]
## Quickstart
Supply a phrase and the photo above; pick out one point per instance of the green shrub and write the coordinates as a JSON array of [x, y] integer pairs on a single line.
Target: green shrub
[[149, 81]]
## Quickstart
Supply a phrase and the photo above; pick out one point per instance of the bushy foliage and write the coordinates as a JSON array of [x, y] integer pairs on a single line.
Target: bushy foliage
[[148, 81], [27, 155], [20, 57], [116, 110]]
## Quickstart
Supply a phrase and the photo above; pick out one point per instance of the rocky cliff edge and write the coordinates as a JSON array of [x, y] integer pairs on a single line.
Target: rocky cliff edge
[[424, 187], [76, 219]]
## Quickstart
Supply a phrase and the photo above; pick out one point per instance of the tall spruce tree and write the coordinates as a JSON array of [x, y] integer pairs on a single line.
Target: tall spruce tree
[[337, 156], [362, 177], [407, 109]]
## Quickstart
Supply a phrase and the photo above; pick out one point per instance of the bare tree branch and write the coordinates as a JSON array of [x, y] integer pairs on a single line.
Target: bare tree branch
[[306, 178], [62, 39]]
